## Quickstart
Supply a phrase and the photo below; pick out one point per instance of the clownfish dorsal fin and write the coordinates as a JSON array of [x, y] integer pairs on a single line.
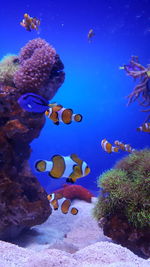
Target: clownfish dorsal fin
[[58, 195], [57, 107], [76, 159], [55, 157], [70, 110], [52, 104]]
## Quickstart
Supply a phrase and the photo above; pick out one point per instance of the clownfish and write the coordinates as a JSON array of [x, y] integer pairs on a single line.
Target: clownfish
[[70, 167], [30, 23], [124, 147], [90, 34], [57, 113], [144, 128], [108, 147], [53, 199]]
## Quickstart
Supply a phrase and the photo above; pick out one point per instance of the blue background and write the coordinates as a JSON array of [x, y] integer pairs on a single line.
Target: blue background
[[94, 85]]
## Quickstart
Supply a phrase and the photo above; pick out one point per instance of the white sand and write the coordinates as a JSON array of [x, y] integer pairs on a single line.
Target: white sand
[[67, 241]]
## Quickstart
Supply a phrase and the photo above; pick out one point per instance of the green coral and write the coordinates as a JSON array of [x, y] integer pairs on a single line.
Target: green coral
[[126, 190], [8, 66]]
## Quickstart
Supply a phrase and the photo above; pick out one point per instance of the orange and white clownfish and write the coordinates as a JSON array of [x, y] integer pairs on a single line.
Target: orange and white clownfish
[[71, 167], [57, 113], [124, 147], [55, 197], [30, 23], [108, 147], [144, 128]]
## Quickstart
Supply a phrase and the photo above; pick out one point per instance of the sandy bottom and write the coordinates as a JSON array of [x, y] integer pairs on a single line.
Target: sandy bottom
[[67, 241]]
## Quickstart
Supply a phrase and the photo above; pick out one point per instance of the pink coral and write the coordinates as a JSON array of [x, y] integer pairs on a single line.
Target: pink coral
[[75, 192], [36, 62]]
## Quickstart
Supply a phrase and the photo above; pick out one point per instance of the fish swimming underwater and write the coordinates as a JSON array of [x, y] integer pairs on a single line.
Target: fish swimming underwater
[[33, 103], [144, 128], [55, 197], [59, 114], [108, 147], [90, 34], [70, 167], [30, 23], [124, 147]]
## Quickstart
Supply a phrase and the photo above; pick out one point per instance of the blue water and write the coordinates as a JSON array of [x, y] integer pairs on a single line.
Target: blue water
[[94, 85]]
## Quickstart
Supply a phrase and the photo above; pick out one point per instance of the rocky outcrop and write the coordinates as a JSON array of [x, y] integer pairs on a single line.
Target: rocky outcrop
[[23, 202], [120, 230]]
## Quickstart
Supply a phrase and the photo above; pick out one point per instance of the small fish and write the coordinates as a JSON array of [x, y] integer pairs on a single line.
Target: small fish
[[90, 34], [124, 147], [59, 114], [108, 147], [70, 167], [33, 103], [30, 23], [144, 128], [121, 68], [53, 199]]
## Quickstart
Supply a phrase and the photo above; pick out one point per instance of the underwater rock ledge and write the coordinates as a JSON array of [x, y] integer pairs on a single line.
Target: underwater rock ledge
[[23, 202]]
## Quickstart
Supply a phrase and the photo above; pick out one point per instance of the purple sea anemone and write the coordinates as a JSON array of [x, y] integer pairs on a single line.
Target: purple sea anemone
[[36, 59]]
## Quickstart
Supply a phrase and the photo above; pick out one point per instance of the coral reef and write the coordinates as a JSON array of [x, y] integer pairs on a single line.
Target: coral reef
[[123, 208], [38, 65], [75, 192], [23, 202]]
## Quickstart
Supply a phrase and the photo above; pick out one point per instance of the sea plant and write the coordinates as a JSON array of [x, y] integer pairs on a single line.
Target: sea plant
[[125, 190], [8, 66]]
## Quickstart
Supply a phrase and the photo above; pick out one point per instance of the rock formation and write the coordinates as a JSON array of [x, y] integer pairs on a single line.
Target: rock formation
[[23, 202]]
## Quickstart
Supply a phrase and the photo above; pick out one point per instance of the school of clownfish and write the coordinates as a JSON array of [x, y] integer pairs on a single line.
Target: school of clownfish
[[109, 148], [71, 167], [30, 23]]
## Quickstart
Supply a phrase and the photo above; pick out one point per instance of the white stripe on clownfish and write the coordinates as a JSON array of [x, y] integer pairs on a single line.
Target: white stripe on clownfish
[[49, 165], [69, 163], [83, 166], [50, 110], [73, 117], [108, 147], [59, 112]]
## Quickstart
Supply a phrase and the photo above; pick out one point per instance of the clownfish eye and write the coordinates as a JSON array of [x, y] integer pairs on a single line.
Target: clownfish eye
[[49, 197]]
